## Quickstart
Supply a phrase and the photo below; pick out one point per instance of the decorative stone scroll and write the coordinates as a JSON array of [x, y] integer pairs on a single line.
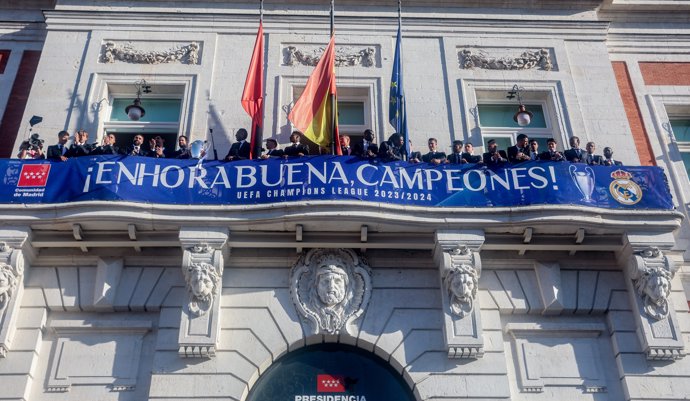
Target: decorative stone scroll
[[344, 57], [456, 254], [527, 60], [112, 51], [648, 275], [11, 283], [330, 289], [202, 267]]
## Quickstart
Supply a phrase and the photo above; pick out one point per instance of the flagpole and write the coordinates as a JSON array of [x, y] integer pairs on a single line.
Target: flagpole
[[260, 129], [400, 104], [332, 95]]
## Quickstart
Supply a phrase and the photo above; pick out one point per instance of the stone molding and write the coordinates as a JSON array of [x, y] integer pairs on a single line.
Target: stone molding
[[456, 254], [348, 56], [202, 267], [11, 283], [125, 52], [330, 289], [528, 59]]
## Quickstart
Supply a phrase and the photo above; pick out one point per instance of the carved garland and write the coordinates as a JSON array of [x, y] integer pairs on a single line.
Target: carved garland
[[527, 60], [365, 57], [128, 54]]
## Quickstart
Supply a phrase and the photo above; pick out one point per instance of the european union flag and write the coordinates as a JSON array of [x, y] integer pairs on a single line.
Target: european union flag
[[397, 114]]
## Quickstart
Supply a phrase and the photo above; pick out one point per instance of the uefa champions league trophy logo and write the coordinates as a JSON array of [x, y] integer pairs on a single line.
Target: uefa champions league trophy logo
[[584, 180]]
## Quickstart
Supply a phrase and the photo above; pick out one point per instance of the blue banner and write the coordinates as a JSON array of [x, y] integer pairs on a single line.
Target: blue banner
[[166, 181]]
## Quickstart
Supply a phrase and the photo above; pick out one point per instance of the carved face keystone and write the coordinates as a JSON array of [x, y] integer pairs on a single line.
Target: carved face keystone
[[200, 282], [462, 285]]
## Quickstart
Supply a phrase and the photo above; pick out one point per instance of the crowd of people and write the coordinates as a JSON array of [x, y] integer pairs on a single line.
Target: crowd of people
[[391, 150]]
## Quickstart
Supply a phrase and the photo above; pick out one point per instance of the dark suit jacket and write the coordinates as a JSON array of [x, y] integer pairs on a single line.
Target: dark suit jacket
[[182, 153], [81, 150], [594, 160], [387, 152], [346, 151], [358, 148], [489, 161], [470, 158], [274, 153], [106, 150], [611, 162], [456, 158], [434, 155], [512, 154], [556, 157], [239, 150], [142, 152], [295, 150], [53, 152], [572, 154]]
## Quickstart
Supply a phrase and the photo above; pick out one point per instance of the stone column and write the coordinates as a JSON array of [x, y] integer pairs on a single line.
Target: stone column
[[202, 266], [13, 242], [457, 255], [649, 273]]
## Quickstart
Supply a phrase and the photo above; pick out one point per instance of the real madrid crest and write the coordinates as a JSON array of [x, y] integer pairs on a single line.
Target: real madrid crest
[[623, 189]]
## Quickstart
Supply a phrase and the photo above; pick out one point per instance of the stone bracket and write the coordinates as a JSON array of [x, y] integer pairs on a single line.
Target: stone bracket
[[202, 266], [456, 253], [649, 273], [12, 252]]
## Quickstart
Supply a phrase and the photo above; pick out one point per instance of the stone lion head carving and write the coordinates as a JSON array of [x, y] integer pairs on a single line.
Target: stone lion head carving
[[652, 272], [8, 284], [202, 283], [330, 288], [462, 283]]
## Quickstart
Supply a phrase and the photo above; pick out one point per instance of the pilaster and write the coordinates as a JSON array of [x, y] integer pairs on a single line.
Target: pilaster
[[202, 266], [13, 244], [456, 253], [649, 273]]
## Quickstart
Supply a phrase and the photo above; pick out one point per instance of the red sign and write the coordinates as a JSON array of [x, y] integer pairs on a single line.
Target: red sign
[[34, 175], [330, 384]]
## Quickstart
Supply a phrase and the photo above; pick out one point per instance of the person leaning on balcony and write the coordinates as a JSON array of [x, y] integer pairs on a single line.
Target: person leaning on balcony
[[574, 154], [552, 154], [393, 149], [590, 158], [272, 149], [434, 156], [183, 152], [608, 158], [345, 147], [366, 147], [296, 148], [81, 146], [159, 149], [59, 151], [519, 152], [241, 148], [456, 156], [469, 156], [107, 147], [494, 157], [137, 147]]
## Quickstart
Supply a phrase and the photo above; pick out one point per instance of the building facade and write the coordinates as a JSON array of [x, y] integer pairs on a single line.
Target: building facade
[[128, 300]]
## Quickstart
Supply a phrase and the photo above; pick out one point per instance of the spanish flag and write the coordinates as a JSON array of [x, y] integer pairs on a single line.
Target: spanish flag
[[253, 94], [315, 111]]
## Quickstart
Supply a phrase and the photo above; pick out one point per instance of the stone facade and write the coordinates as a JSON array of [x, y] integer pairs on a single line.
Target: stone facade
[[128, 301]]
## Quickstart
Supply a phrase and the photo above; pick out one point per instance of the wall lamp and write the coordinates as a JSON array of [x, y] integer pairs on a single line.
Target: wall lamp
[[523, 116], [135, 111]]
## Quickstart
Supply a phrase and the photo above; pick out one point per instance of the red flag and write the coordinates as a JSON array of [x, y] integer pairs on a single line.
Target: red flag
[[313, 110], [330, 384], [253, 94], [34, 175]]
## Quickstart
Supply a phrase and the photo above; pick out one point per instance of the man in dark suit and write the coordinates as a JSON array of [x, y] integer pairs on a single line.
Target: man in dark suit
[[108, 146], [392, 149], [80, 145], [272, 149], [590, 158], [183, 152], [456, 156], [494, 157], [137, 148], [241, 148], [575, 154], [59, 151], [366, 147], [519, 152], [434, 156], [345, 145], [296, 148], [159, 150], [469, 156], [552, 154], [608, 158]]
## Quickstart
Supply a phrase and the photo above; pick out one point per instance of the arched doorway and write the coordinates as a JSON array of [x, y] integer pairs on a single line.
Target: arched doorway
[[330, 372]]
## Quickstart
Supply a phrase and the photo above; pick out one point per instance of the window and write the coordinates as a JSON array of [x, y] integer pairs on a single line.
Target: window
[[681, 131], [496, 122]]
